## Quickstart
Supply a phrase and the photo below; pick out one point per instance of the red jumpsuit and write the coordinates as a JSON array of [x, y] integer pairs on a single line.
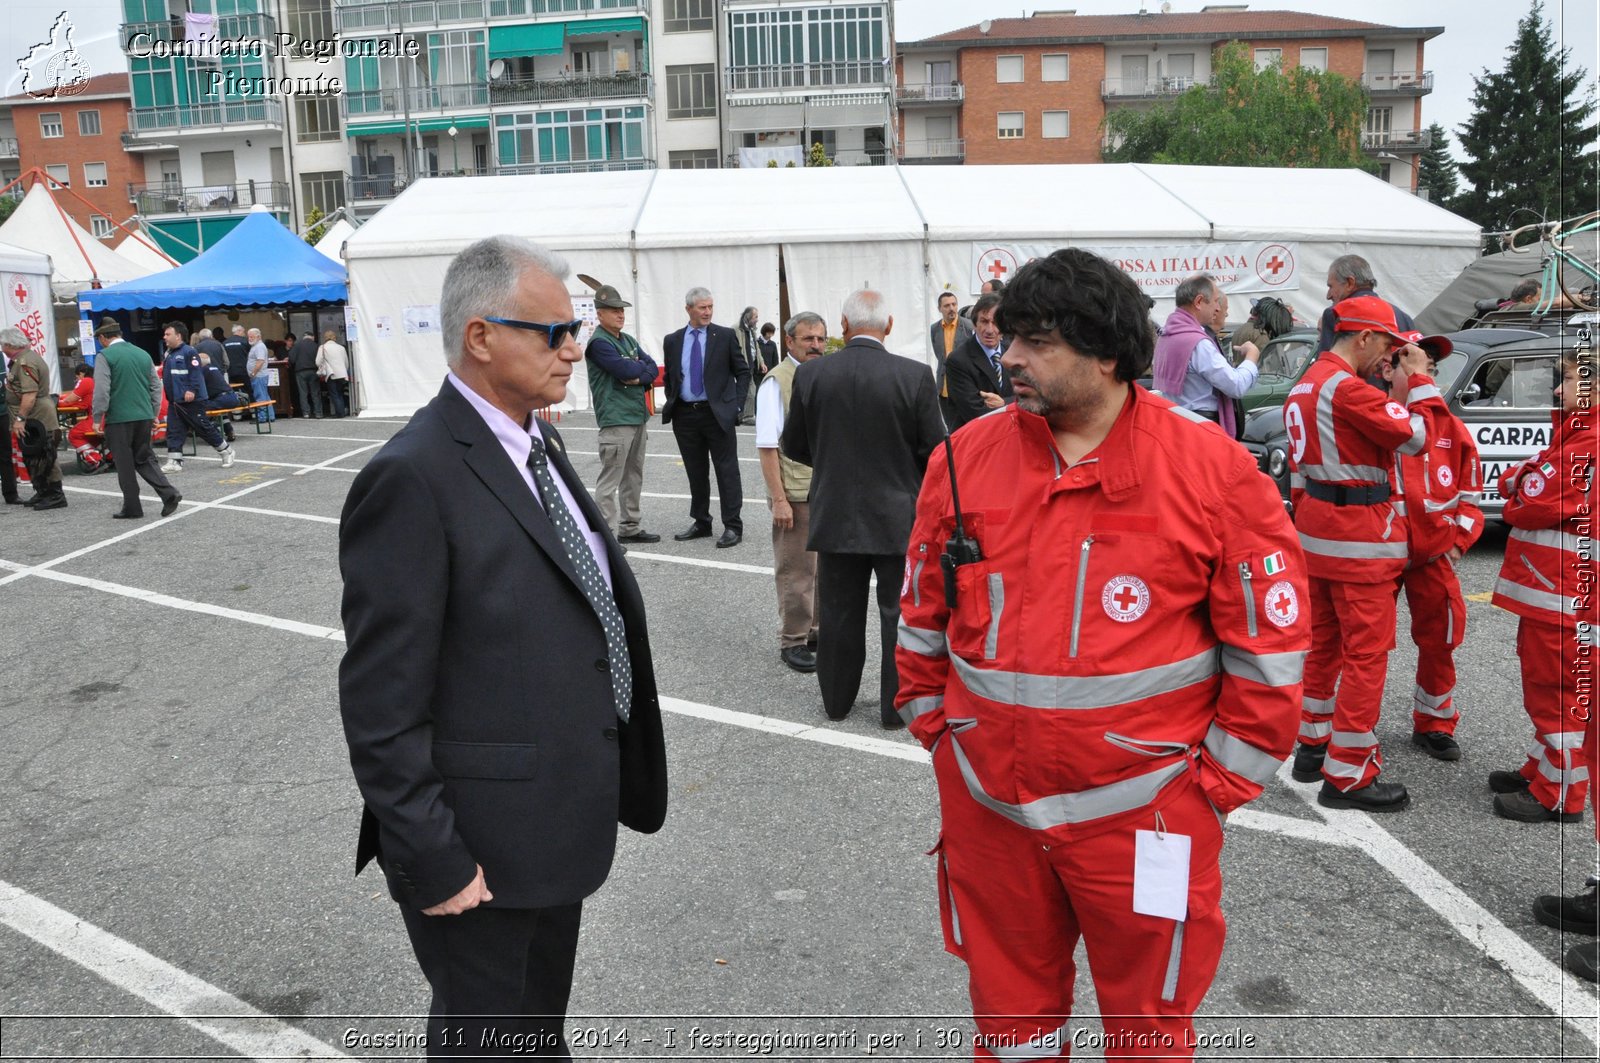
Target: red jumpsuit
[[1124, 659], [1343, 435], [1437, 492], [1548, 579], [82, 398]]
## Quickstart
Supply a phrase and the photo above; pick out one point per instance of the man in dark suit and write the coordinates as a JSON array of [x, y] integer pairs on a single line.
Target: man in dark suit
[[865, 420], [494, 761], [947, 333], [707, 377], [977, 383]]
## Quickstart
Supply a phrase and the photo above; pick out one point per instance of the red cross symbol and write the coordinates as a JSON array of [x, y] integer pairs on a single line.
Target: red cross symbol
[[1274, 264], [1282, 604], [21, 292], [1125, 598], [997, 269]]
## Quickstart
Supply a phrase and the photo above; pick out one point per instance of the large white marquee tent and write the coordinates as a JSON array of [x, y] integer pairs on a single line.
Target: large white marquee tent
[[910, 232]]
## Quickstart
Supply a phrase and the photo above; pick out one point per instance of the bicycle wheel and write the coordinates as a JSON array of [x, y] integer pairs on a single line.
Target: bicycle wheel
[[1577, 284]]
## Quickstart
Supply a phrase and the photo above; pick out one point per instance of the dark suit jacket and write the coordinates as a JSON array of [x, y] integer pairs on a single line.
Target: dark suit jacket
[[969, 372], [474, 688], [727, 373], [936, 335], [866, 421]]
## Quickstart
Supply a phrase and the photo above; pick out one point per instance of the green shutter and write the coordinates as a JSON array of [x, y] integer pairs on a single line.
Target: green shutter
[[546, 38], [588, 27]]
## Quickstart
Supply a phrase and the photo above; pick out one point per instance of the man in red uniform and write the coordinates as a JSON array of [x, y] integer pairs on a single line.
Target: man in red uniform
[[81, 399], [1437, 491], [1116, 671], [1343, 437]]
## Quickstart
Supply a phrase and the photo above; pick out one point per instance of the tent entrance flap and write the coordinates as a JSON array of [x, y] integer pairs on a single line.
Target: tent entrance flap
[[544, 38]]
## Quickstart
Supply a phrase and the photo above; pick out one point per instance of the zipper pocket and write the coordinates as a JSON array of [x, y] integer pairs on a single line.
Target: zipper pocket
[[1077, 595], [1249, 598], [1540, 576]]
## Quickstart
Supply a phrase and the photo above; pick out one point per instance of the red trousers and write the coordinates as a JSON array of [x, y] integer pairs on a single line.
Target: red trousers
[[1438, 623], [1014, 907], [1553, 682], [78, 437], [1352, 632]]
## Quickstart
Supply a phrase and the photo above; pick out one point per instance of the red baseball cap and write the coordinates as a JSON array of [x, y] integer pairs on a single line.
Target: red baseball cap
[[1364, 312], [1438, 347]]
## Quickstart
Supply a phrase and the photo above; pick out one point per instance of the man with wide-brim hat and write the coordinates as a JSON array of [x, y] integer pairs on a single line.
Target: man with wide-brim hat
[[621, 379]]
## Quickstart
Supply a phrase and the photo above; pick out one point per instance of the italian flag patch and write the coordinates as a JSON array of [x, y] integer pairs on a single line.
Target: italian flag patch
[[1273, 564], [1548, 470]]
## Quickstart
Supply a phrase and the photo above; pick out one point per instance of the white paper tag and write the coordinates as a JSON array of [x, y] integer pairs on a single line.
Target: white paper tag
[[1161, 875]]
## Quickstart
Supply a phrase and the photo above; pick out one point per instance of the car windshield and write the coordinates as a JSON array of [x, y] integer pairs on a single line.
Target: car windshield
[[1285, 358], [1445, 373]]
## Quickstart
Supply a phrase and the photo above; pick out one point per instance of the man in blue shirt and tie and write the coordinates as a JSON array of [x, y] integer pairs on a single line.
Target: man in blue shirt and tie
[[977, 383], [707, 376]]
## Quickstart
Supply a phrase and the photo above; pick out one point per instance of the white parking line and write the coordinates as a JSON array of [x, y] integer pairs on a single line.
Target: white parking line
[[341, 457], [322, 439], [218, 1015], [152, 500], [671, 457], [730, 566]]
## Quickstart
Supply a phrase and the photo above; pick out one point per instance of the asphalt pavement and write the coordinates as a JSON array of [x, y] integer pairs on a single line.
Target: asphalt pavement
[[178, 822]]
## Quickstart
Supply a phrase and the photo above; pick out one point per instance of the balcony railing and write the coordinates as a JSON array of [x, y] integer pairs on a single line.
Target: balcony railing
[[8, 148], [188, 117], [1144, 88], [579, 87], [1411, 84], [591, 166], [386, 186], [805, 75], [933, 150], [208, 199], [390, 101], [389, 14], [138, 36], [1407, 140], [849, 157], [952, 92]]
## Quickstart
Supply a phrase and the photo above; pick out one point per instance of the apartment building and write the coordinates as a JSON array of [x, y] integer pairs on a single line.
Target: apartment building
[[77, 140], [1037, 89]]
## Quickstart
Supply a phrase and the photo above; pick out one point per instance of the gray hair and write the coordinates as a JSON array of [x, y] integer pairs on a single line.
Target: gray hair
[[202, 334], [1355, 268], [1193, 288], [696, 295], [482, 280], [12, 336], [238, 330], [254, 332], [804, 317], [863, 308]]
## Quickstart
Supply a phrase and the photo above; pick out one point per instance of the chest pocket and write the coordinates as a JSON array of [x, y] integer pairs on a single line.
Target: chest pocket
[[981, 590], [1126, 584]]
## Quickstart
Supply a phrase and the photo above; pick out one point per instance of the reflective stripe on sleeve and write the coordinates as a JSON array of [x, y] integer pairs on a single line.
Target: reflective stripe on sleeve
[[1060, 809], [920, 707], [1427, 391], [1430, 506], [1239, 756], [1268, 669], [1419, 436], [922, 641], [1338, 548], [1026, 690]]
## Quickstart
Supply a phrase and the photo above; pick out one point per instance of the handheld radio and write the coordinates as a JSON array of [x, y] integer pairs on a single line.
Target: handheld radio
[[961, 548]]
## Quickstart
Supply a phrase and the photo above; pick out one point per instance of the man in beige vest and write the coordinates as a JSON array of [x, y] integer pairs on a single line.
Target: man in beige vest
[[788, 484]]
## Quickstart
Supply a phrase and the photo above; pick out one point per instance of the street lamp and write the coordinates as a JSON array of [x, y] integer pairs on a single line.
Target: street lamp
[[454, 157]]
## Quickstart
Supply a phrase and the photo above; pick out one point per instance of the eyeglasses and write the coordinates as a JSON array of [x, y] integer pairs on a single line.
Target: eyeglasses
[[556, 332]]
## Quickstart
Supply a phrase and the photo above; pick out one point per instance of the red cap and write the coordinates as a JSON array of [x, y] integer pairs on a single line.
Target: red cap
[[1438, 347], [1366, 312]]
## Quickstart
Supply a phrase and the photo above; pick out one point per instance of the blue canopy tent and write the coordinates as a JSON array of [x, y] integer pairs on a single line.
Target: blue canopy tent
[[259, 263]]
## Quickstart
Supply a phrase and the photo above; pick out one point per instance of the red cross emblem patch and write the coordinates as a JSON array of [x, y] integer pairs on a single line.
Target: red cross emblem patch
[[1125, 598], [1283, 605]]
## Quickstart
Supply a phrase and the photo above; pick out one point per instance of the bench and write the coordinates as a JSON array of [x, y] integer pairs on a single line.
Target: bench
[[192, 447]]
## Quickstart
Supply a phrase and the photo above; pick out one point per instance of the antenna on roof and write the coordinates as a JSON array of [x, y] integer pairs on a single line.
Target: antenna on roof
[[985, 26]]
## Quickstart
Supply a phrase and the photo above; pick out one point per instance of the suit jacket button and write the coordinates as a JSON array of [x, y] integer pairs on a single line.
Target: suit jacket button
[[610, 733], [602, 665]]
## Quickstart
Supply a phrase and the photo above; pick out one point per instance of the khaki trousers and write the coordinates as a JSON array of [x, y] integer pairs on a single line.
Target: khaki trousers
[[795, 569], [621, 476]]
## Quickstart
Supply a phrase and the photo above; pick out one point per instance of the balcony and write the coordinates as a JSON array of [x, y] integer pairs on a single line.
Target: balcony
[[589, 166], [1404, 141], [848, 157], [424, 98], [933, 152], [8, 148], [1398, 84], [229, 27], [845, 73], [917, 95], [378, 188], [162, 199], [577, 87], [358, 17], [1144, 88], [225, 116]]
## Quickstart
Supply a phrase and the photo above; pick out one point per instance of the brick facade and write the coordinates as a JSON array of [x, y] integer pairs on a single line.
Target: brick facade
[[1079, 96], [108, 95]]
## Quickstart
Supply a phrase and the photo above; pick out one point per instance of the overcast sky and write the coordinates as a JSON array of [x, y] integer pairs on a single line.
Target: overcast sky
[[1477, 32]]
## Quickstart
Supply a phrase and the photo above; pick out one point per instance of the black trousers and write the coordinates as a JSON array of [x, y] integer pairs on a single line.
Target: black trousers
[[135, 459], [310, 388], [702, 441], [842, 583], [8, 471], [501, 978]]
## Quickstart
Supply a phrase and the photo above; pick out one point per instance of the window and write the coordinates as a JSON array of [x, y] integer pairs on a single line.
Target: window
[[592, 138], [316, 119], [692, 91], [1008, 69], [1314, 59], [101, 226], [59, 173], [50, 125], [312, 19], [796, 47], [88, 123], [1009, 126], [688, 16], [322, 189], [1055, 67], [1266, 57], [1518, 383], [695, 159], [94, 174], [1056, 125]]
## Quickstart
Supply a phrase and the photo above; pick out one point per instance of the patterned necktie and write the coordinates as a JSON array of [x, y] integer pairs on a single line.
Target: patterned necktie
[[697, 366], [999, 373], [589, 578]]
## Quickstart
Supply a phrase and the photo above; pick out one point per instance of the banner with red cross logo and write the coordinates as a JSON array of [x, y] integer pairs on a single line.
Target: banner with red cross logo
[[1158, 267]]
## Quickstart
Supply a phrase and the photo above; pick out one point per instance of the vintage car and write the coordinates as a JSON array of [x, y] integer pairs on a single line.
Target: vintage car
[[1499, 381], [1283, 362]]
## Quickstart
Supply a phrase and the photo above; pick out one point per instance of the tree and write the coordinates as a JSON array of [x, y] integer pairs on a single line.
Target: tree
[[1248, 117], [818, 156], [1436, 172], [8, 203], [1530, 142], [316, 228]]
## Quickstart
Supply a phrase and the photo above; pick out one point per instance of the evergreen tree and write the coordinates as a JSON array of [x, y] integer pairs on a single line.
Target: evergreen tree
[[1436, 172], [1530, 140], [316, 227]]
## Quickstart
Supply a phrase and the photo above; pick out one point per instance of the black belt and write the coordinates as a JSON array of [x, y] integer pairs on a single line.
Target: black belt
[[1366, 495], [695, 405]]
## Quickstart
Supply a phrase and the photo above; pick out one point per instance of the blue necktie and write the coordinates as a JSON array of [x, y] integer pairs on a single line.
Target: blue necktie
[[697, 366]]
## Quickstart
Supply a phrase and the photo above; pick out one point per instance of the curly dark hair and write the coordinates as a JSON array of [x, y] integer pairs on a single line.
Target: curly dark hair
[[1089, 302], [1272, 315]]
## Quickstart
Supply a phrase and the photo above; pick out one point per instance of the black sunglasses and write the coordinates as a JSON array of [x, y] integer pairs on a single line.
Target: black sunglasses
[[556, 332]]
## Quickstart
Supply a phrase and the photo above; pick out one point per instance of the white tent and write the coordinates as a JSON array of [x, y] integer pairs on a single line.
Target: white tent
[[332, 240], [80, 260], [25, 282], [908, 231], [142, 250]]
